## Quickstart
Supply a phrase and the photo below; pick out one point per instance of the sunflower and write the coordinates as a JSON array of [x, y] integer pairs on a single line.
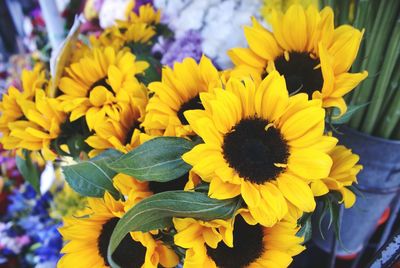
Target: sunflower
[[221, 243], [11, 111], [41, 123], [88, 238], [342, 175], [141, 189], [98, 84], [29, 118], [120, 35], [307, 50], [282, 5], [260, 144], [147, 14], [125, 134], [178, 92]]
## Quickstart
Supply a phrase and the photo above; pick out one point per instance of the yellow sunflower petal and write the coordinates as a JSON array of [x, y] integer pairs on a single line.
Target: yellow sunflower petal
[[297, 192]]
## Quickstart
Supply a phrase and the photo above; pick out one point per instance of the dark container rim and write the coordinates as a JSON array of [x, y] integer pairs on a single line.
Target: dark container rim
[[368, 136]]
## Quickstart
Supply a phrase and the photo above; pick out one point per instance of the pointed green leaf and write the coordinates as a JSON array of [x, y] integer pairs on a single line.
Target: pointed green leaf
[[306, 227], [159, 159], [157, 211], [347, 116], [93, 177], [29, 170]]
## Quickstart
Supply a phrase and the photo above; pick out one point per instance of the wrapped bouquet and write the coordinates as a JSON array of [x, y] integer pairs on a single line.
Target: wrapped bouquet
[[189, 163]]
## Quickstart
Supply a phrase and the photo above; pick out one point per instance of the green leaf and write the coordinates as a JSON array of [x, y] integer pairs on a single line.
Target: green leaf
[[322, 216], [334, 210], [382, 84], [347, 116], [164, 30], [157, 211], [29, 170], [306, 227], [153, 72], [356, 191], [158, 159], [93, 177]]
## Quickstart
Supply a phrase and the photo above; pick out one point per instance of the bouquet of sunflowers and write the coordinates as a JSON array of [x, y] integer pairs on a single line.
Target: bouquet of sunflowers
[[191, 164]]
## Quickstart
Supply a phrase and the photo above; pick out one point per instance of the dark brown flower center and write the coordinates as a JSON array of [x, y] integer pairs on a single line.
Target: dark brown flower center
[[254, 150], [129, 133], [192, 104], [128, 254], [300, 73], [174, 185], [248, 246], [101, 82]]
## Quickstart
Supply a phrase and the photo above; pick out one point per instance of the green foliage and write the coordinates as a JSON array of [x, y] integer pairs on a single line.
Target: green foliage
[[331, 205], [29, 170], [305, 227], [351, 110], [159, 159], [157, 211], [93, 177]]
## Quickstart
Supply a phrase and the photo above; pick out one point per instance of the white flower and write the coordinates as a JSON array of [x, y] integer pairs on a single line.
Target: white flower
[[112, 10], [219, 22]]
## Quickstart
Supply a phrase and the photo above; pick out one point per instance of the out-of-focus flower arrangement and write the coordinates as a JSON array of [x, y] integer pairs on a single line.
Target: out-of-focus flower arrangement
[[29, 221], [181, 141]]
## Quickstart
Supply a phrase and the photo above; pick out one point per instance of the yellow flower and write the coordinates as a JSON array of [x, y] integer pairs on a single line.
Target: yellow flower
[[147, 14], [88, 238], [139, 28], [220, 243], [137, 190], [29, 118], [99, 84], [31, 80], [260, 144], [41, 124], [177, 92], [282, 5], [125, 134], [305, 47], [118, 36], [342, 175]]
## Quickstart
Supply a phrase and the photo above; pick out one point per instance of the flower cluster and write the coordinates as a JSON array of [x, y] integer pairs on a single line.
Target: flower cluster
[[29, 237], [189, 163]]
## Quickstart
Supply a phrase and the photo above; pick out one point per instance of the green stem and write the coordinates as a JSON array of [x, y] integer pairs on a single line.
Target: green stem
[[391, 118], [394, 83], [383, 81], [363, 8], [344, 7], [396, 133], [375, 46]]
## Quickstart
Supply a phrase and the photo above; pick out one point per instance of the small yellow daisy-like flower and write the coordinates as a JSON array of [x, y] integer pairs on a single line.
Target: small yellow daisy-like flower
[[11, 111], [118, 36], [261, 144], [307, 50], [220, 243], [342, 175], [88, 238], [29, 118], [41, 124], [147, 14], [282, 5], [125, 134], [97, 84], [177, 92]]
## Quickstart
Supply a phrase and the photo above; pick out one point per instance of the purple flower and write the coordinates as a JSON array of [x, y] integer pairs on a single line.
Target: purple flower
[[175, 50]]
